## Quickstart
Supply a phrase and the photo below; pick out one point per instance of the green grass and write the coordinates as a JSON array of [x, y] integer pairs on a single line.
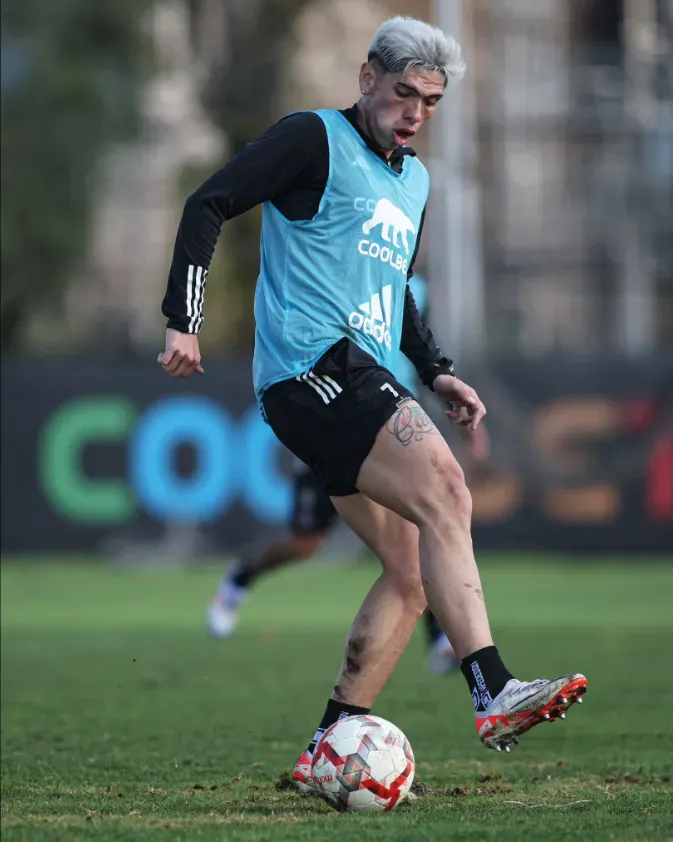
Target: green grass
[[122, 721]]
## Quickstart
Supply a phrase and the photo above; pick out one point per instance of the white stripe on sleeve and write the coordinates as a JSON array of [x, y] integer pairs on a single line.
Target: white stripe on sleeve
[[190, 288]]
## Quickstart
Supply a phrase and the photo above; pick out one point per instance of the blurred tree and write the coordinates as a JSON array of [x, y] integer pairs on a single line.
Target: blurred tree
[[71, 72], [242, 97]]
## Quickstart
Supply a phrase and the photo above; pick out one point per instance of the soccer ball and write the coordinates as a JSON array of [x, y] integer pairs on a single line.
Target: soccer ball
[[363, 763]]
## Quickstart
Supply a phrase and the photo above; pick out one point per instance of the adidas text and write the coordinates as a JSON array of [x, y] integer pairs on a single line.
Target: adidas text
[[371, 328]]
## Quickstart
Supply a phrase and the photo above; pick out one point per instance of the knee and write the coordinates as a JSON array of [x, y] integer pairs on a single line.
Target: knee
[[458, 494], [405, 576], [446, 496]]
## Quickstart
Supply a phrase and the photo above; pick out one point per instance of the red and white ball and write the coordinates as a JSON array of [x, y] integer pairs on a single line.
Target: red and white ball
[[363, 763]]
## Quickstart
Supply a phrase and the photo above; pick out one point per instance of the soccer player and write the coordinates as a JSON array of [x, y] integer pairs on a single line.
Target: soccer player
[[313, 515], [343, 200]]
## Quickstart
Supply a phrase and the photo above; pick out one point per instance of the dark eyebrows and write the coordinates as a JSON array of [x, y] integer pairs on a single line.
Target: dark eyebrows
[[414, 90]]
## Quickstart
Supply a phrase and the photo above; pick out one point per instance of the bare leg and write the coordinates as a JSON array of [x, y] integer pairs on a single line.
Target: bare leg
[[283, 552], [392, 607], [412, 471]]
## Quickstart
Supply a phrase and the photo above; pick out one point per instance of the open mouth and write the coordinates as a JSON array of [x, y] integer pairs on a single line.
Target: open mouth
[[402, 136]]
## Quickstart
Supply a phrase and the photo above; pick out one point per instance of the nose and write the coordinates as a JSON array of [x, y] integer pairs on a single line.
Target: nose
[[413, 111]]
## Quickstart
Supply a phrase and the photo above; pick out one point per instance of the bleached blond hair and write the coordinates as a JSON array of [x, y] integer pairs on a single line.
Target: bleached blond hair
[[403, 42]]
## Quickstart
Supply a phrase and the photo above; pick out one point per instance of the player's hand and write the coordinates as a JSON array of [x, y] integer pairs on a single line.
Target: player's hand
[[466, 410], [182, 355]]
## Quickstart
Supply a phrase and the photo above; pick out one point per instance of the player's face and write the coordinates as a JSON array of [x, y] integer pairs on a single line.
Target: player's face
[[396, 106]]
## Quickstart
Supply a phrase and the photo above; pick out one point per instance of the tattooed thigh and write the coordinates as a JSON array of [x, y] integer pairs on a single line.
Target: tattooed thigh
[[411, 423]]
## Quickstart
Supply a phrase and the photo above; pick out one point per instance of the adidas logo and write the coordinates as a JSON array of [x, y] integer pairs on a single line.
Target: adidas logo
[[375, 317]]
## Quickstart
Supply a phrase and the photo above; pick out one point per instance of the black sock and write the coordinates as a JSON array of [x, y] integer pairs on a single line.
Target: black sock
[[242, 575], [333, 713], [486, 675], [432, 627]]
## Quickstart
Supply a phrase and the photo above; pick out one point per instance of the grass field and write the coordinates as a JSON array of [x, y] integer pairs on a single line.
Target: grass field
[[123, 721]]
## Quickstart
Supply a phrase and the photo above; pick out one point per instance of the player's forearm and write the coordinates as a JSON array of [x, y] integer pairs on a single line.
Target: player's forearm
[[419, 345], [194, 246], [221, 197]]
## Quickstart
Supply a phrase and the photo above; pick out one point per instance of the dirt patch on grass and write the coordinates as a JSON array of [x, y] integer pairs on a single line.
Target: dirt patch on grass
[[285, 783], [630, 778], [420, 788], [485, 789]]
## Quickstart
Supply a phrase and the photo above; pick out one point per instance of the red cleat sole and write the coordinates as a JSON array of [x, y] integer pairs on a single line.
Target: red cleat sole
[[514, 724]]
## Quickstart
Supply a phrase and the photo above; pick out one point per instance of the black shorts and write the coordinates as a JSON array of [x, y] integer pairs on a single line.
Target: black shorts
[[312, 509], [330, 416]]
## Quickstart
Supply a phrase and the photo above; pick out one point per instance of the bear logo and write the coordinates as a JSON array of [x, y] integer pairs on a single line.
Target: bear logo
[[388, 216]]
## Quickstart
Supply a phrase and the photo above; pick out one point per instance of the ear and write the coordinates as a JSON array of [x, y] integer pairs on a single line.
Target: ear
[[367, 78]]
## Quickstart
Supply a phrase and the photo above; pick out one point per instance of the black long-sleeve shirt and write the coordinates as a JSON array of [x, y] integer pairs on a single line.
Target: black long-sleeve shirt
[[288, 166]]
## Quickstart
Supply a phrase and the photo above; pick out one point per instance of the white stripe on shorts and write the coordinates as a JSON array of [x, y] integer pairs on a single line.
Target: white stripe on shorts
[[325, 386], [336, 386], [304, 378]]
